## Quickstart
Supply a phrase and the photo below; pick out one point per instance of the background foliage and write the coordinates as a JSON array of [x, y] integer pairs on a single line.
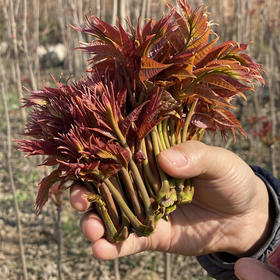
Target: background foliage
[[29, 26]]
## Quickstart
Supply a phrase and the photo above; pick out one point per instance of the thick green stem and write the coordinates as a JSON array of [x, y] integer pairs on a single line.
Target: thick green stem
[[165, 133], [153, 180], [119, 133], [132, 194], [148, 186], [125, 225], [111, 207], [171, 181], [172, 132], [160, 132], [179, 138], [165, 184], [111, 230], [136, 174], [152, 161], [178, 129], [142, 189], [160, 146], [139, 227], [188, 121], [117, 183], [124, 231]]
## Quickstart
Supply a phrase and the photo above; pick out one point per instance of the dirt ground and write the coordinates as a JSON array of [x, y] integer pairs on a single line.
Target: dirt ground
[[40, 232], [40, 241]]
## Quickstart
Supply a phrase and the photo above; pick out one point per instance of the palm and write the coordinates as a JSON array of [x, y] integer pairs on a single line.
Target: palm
[[229, 211], [221, 205]]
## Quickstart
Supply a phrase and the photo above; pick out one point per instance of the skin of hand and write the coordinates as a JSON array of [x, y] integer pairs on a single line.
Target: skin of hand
[[252, 269], [229, 212]]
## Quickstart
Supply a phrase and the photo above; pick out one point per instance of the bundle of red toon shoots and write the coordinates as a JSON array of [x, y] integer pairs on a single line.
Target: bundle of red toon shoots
[[145, 91]]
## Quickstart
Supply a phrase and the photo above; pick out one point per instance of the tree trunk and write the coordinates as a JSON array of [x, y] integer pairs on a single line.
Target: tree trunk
[[61, 16], [143, 11], [36, 17], [115, 11], [15, 48], [9, 39], [59, 242], [11, 177], [98, 8], [122, 11], [167, 266], [25, 47]]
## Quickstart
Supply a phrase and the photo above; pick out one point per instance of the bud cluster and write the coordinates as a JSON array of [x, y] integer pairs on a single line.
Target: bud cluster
[[145, 90]]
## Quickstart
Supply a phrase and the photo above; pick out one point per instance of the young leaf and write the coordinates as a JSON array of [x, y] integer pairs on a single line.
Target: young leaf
[[150, 68]]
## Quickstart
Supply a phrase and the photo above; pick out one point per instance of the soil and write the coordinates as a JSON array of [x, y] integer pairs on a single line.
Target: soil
[[41, 240]]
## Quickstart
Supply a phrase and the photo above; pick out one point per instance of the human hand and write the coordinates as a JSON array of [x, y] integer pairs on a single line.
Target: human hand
[[229, 212], [252, 269]]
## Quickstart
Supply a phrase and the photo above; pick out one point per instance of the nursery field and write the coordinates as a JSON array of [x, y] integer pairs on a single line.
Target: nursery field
[[36, 41]]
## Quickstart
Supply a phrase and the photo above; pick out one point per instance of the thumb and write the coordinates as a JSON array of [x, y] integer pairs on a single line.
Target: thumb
[[193, 158]]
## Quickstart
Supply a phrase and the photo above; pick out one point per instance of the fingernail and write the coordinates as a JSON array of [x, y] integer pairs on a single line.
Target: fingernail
[[175, 157]]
